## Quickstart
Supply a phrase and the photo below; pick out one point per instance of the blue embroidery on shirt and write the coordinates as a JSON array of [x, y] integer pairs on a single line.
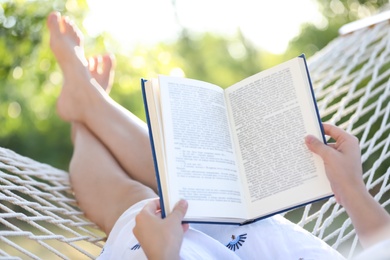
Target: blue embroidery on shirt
[[236, 242], [136, 247]]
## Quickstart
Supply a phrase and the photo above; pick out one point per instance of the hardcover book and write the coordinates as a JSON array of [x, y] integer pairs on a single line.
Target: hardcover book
[[236, 154]]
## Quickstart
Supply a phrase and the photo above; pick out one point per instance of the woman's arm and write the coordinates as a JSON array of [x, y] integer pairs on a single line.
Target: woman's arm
[[344, 170]]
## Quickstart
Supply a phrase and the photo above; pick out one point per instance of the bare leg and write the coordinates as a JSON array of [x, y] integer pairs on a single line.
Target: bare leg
[[102, 70], [83, 100], [103, 190]]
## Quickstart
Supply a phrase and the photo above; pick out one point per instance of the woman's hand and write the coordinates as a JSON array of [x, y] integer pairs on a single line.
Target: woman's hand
[[342, 161], [161, 238], [344, 170]]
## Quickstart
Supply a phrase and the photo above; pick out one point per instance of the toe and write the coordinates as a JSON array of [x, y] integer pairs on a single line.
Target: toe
[[92, 64], [108, 62], [72, 30], [99, 62], [53, 22]]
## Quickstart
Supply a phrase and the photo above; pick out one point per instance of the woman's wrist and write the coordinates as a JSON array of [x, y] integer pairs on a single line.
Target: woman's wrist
[[348, 194]]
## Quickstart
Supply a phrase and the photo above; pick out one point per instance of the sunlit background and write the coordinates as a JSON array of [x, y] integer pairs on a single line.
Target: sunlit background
[[220, 41], [269, 25]]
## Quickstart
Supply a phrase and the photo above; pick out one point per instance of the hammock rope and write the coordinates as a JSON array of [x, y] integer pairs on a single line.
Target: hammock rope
[[39, 196], [351, 79]]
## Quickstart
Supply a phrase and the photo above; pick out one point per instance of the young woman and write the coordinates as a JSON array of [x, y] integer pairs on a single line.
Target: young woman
[[113, 177]]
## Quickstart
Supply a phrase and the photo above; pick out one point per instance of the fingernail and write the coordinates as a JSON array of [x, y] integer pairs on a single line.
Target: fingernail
[[309, 139], [182, 203]]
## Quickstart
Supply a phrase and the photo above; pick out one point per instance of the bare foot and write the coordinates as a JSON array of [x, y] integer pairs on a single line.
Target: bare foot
[[79, 88], [102, 70]]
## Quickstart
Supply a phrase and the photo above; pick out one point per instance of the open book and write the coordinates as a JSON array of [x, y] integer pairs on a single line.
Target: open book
[[236, 154]]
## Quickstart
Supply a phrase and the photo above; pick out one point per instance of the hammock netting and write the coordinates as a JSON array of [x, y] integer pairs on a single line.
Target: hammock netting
[[39, 217]]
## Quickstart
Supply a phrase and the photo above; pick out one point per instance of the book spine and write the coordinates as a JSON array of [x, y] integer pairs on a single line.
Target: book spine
[[163, 213], [314, 97]]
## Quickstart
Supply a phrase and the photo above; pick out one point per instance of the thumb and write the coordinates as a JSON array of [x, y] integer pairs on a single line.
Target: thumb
[[179, 211], [316, 146]]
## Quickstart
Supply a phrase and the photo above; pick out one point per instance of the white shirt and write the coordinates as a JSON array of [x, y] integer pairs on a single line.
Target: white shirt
[[272, 238]]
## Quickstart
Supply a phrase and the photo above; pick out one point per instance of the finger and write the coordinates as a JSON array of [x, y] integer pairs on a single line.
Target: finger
[[344, 140], [185, 226], [335, 132], [316, 145], [152, 207], [179, 211]]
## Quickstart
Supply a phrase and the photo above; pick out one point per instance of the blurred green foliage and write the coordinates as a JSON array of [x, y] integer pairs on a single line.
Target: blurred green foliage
[[30, 79], [335, 14]]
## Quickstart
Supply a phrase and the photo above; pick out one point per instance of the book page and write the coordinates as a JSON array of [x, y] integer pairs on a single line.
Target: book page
[[199, 150], [272, 112]]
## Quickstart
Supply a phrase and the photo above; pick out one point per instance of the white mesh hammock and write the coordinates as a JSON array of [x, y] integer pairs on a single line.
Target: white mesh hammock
[[39, 217]]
